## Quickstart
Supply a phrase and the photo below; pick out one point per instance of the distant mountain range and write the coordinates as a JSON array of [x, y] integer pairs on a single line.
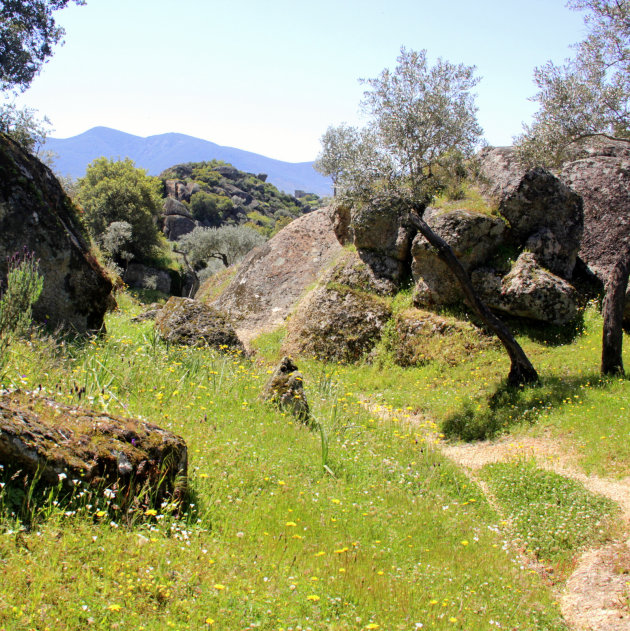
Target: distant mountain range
[[157, 153]]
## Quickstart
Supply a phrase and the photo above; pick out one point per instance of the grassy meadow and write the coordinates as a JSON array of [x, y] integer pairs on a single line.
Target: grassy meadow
[[362, 525]]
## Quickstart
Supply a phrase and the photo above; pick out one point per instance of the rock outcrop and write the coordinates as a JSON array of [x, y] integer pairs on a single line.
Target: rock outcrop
[[336, 323], [601, 175], [145, 277], [62, 443], [285, 389], [274, 276], [528, 291], [474, 238], [189, 322], [36, 213], [541, 211]]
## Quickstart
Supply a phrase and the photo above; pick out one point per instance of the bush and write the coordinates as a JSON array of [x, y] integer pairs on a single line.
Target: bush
[[23, 286]]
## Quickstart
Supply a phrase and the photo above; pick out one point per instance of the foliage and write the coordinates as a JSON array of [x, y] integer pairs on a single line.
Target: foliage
[[117, 191], [210, 208], [24, 284], [587, 95], [23, 126], [555, 517], [27, 34], [229, 244], [117, 239], [421, 116]]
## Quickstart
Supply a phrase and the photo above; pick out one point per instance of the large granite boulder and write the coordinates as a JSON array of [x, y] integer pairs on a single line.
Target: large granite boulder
[[473, 236], [601, 175], [383, 236], [539, 208], [336, 323], [36, 213], [274, 276], [349, 270], [62, 443], [189, 322], [285, 389], [528, 291]]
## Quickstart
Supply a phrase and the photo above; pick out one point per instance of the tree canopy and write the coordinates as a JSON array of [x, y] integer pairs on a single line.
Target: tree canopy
[[589, 94], [419, 115], [28, 32], [117, 191]]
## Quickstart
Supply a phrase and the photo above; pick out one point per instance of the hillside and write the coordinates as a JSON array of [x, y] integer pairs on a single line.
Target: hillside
[[156, 153]]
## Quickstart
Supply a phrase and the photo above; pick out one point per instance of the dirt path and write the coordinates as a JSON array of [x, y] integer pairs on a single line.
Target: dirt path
[[596, 596]]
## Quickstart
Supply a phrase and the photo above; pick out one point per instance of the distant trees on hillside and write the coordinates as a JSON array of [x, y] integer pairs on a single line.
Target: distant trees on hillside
[[121, 205]]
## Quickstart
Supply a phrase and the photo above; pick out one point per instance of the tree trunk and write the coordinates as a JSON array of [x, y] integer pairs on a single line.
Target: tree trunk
[[521, 370], [612, 310]]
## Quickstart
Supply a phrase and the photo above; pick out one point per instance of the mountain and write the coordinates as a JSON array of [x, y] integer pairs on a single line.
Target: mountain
[[157, 153]]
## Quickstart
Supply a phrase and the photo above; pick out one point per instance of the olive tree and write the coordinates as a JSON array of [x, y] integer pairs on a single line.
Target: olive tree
[[418, 116], [589, 95]]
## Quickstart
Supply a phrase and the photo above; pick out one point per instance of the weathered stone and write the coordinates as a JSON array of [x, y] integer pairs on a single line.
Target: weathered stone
[[172, 206], [350, 270], [285, 389], [35, 213], [336, 323], [189, 322], [274, 276], [419, 337], [473, 236], [383, 238], [341, 218], [533, 200], [144, 277], [528, 291], [149, 314], [64, 443], [176, 226]]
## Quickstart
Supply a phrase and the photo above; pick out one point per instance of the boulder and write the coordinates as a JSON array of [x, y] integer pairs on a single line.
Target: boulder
[[528, 291], [189, 322], [336, 323], [473, 236], [176, 226], [601, 175], [63, 443], [36, 214], [174, 207], [351, 271], [383, 238], [274, 276], [285, 389], [341, 218], [144, 277], [535, 202]]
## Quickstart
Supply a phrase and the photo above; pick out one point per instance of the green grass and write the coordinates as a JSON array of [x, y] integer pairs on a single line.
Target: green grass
[[553, 516], [389, 536]]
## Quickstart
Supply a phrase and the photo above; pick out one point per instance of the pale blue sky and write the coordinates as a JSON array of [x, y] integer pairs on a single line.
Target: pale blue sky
[[271, 76]]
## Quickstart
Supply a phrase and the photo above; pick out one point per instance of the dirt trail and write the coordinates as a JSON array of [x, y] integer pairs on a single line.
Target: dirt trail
[[596, 596]]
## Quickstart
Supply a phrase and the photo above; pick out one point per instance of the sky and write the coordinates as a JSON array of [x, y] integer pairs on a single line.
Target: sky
[[270, 76]]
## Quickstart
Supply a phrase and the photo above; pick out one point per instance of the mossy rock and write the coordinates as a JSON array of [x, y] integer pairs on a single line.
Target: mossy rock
[[188, 322]]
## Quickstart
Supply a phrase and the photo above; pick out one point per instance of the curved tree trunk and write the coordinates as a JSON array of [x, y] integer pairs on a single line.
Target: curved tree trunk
[[612, 310], [521, 371]]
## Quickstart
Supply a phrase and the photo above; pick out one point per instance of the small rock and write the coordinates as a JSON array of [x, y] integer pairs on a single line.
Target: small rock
[[285, 389]]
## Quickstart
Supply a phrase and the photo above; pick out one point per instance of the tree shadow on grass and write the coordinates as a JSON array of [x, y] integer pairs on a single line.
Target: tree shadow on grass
[[484, 418]]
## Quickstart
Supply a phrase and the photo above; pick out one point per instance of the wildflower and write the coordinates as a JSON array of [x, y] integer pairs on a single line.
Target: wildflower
[[313, 597], [219, 586], [291, 524], [151, 512], [372, 625], [209, 621], [115, 607]]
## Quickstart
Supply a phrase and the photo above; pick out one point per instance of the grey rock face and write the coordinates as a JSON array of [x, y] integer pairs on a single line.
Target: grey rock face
[[144, 277], [528, 291], [473, 236], [176, 226], [35, 213], [532, 201]]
